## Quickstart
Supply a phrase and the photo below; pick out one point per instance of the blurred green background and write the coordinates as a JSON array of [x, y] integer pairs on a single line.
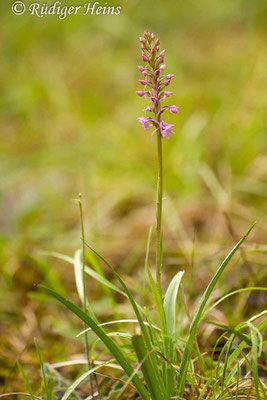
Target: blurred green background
[[68, 125]]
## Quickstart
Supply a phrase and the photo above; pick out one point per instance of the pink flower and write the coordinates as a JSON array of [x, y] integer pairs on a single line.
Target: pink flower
[[147, 109], [162, 67], [141, 94], [165, 129], [166, 83], [166, 94], [144, 57], [143, 82], [169, 76], [161, 56], [173, 109], [144, 122], [157, 72], [153, 98], [140, 68], [144, 73]]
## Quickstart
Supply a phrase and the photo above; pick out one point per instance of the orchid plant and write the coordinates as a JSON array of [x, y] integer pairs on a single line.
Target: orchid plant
[[155, 363], [155, 83]]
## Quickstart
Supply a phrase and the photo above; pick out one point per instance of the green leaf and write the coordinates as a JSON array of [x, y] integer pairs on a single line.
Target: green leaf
[[147, 340], [170, 303], [48, 383], [110, 344], [80, 379], [95, 275], [231, 294], [241, 336], [146, 366], [78, 273], [254, 352], [198, 314], [27, 383], [170, 313]]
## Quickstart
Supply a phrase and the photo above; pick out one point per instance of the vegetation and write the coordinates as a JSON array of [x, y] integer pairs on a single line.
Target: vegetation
[[190, 325]]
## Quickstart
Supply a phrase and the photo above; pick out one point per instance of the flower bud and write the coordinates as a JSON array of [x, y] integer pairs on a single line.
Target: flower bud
[[140, 68], [166, 83], [143, 82], [141, 94], [144, 57], [161, 56]]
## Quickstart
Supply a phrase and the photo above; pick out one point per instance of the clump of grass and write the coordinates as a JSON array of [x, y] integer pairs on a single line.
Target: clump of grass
[[159, 363]]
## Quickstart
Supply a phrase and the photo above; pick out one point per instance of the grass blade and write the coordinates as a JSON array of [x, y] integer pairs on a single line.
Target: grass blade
[[146, 366], [241, 336], [254, 362], [143, 328], [197, 317], [110, 344], [95, 275], [80, 379], [79, 279], [231, 294], [27, 383], [47, 382]]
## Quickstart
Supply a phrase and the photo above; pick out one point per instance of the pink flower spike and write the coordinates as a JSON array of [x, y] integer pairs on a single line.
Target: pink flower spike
[[147, 109], [166, 83], [143, 82], [162, 67], [169, 76], [140, 68], [173, 109], [141, 94], [144, 122], [153, 98]]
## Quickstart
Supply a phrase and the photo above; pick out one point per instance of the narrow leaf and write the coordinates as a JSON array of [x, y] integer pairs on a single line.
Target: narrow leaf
[[110, 344], [197, 317]]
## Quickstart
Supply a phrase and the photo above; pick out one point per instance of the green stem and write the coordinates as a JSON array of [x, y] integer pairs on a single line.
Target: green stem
[[85, 309], [159, 212]]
